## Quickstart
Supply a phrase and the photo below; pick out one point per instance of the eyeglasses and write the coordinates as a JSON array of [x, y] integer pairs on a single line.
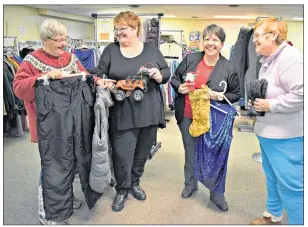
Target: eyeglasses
[[58, 41], [116, 30], [256, 35]]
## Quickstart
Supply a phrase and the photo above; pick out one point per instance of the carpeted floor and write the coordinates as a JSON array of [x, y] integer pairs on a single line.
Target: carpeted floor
[[163, 182]]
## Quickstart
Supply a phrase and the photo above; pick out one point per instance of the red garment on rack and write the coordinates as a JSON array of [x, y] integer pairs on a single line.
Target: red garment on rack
[[203, 72]]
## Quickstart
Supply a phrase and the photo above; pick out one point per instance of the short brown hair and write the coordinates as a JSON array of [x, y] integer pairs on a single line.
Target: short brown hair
[[272, 24], [128, 18], [216, 30]]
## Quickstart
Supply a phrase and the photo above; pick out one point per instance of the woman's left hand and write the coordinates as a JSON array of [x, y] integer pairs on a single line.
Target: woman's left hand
[[104, 82], [217, 96], [262, 105], [156, 75]]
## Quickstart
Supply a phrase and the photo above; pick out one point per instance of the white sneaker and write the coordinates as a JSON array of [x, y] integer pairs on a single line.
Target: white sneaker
[[48, 222], [76, 203]]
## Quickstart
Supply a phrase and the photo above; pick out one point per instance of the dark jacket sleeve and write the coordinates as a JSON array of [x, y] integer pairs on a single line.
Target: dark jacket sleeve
[[233, 91], [177, 78], [163, 67], [104, 63]]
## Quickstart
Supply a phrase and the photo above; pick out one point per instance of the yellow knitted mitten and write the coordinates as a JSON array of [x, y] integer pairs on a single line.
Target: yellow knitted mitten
[[200, 105]]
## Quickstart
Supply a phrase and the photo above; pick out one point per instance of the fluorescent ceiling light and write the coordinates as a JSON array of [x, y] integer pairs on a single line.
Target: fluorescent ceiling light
[[298, 18], [106, 12], [233, 17], [169, 16]]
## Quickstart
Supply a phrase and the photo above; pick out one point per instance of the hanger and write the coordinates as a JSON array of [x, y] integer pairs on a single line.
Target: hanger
[[46, 82], [227, 100], [84, 47]]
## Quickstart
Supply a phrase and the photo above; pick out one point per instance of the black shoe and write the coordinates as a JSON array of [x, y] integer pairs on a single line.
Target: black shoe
[[138, 193], [118, 202], [219, 201], [186, 193], [222, 207]]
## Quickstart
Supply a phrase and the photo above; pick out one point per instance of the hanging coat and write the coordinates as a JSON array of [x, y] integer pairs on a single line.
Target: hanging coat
[[100, 175]]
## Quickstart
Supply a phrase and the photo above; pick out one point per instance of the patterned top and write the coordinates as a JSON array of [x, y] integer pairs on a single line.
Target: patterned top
[[68, 62]]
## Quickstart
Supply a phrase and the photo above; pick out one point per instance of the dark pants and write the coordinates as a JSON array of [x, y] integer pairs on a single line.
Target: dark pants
[[189, 146], [130, 151], [65, 121]]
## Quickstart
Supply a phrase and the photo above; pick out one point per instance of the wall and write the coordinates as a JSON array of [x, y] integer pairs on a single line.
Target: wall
[[231, 27], [26, 17]]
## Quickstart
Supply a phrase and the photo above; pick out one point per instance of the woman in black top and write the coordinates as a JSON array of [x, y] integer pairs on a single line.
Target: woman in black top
[[133, 124], [211, 68]]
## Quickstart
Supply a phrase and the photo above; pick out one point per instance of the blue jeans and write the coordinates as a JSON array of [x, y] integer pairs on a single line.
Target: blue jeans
[[283, 164]]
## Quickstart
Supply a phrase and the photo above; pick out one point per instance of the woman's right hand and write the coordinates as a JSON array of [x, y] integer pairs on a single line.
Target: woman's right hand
[[54, 74], [183, 89]]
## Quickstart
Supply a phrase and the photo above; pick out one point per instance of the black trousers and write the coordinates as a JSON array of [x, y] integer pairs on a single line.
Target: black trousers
[[130, 152], [65, 122], [189, 147]]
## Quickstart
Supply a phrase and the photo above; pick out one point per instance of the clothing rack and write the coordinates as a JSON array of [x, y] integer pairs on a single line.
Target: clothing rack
[[111, 15], [10, 45], [29, 44], [78, 43], [14, 115], [74, 43]]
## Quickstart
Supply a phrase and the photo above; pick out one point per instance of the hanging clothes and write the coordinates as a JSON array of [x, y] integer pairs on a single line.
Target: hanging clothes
[[153, 32], [101, 172], [171, 50], [86, 57], [14, 107], [17, 59], [25, 51], [253, 66], [212, 149], [9, 65], [14, 63], [239, 56], [8, 88], [167, 90]]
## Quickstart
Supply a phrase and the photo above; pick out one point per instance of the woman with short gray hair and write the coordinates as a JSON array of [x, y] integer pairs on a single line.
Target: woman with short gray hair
[[55, 63], [210, 68]]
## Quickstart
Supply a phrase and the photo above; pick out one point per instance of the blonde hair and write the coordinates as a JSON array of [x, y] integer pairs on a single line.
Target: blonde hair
[[271, 25], [51, 28], [130, 19]]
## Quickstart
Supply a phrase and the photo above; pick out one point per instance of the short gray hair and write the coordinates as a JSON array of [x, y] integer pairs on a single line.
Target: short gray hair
[[216, 30], [51, 28]]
